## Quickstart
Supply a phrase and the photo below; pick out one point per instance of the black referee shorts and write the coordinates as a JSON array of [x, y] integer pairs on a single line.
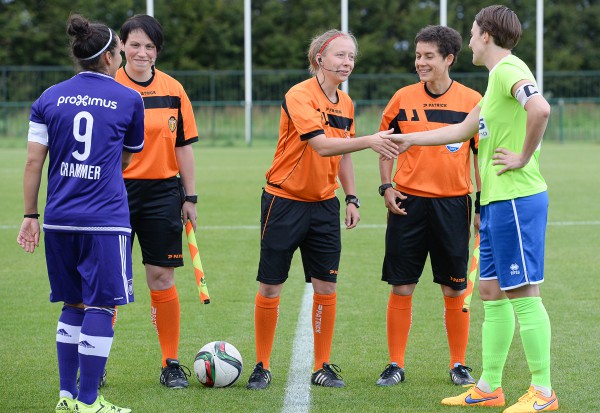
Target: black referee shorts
[[435, 226], [155, 214], [287, 225]]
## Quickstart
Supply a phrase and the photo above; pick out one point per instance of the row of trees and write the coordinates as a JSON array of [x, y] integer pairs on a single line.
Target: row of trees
[[208, 34]]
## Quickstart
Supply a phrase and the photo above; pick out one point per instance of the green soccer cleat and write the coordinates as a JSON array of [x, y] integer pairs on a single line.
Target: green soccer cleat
[[99, 406], [65, 405]]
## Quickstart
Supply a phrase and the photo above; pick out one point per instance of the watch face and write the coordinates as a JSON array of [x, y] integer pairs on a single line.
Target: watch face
[[354, 201]]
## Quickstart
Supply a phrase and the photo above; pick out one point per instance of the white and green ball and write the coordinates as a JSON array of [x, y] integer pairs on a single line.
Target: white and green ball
[[218, 364]]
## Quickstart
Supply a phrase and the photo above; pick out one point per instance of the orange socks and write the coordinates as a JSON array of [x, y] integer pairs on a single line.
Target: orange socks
[[165, 317], [457, 328], [266, 313], [399, 320], [323, 321]]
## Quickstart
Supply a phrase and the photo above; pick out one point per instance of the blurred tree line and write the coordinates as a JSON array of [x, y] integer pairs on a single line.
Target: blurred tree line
[[209, 35]]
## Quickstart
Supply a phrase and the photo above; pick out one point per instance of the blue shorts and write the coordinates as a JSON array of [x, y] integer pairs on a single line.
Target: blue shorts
[[94, 269], [513, 236]]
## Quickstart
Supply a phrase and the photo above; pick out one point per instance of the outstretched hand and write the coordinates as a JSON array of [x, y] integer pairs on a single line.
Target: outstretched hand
[[384, 146], [29, 234], [402, 141], [509, 159]]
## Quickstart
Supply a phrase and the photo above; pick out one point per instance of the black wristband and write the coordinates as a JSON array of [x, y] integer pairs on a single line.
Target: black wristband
[[34, 216], [477, 202], [384, 187], [352, 199]]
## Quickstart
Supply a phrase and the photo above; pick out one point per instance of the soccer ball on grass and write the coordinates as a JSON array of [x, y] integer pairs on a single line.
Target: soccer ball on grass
[[218, 364]]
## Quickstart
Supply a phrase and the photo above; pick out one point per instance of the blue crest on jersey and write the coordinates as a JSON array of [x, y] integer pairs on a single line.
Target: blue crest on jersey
[[453, 147]]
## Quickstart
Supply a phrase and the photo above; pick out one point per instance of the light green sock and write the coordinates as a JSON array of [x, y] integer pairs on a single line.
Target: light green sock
[[496, 336], [535, 334]]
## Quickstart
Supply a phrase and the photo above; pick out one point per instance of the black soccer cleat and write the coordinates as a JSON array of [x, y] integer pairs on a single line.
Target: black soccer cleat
[[174, 375], [260, 378], [327, 376], [102, 381], [391, 376], [460, 375]]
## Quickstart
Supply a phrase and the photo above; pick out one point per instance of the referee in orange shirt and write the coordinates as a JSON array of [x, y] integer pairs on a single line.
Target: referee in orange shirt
[[299, 208], [429, 205]]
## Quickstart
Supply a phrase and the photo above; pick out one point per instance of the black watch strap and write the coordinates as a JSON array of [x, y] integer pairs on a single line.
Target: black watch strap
[[352, 199], [191, 198], [383, 187]]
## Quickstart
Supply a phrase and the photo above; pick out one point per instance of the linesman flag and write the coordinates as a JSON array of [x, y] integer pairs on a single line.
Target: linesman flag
[[198, 270]]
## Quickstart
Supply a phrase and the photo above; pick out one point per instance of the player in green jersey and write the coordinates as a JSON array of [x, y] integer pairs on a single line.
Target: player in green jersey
[[511, 120]]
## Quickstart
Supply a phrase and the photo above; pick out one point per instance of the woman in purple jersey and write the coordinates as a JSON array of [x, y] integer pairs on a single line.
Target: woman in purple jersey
[[89, 127]]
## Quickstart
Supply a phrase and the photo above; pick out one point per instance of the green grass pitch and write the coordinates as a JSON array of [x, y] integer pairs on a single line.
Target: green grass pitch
[[229, 181]]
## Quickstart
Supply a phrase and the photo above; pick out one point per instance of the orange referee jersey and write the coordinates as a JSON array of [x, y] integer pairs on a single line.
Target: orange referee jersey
[[298, 171], [432, 171], [169, 122]]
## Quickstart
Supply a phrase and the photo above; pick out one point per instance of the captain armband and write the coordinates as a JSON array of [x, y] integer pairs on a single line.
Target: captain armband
[[526, 92]]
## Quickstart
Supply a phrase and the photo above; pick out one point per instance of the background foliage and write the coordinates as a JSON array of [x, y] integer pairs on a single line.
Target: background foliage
[[208, 34]]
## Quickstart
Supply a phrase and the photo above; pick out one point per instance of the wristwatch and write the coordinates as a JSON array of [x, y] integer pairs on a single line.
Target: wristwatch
[[352, 199], [191, 198], [383, 187]]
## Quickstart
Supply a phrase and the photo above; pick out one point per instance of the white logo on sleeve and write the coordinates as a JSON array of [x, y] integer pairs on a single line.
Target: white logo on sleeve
[[484, 132]]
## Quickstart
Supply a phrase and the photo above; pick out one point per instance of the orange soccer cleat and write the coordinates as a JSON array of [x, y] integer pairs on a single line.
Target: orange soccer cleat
[[476, 397], [534, 401]]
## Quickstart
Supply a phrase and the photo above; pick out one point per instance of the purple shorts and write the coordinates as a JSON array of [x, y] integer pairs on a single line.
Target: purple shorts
[[93, 269]]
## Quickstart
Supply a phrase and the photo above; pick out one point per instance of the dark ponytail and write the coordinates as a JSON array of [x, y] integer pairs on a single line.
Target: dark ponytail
[[88, 41]]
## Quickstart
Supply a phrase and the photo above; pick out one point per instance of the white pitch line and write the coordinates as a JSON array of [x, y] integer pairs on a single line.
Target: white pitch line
[[297, 390], [363, 226], [381, 226], [572, 223]]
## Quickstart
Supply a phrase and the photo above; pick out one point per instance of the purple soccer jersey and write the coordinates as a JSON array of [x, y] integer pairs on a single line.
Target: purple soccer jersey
[[87, 122]]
